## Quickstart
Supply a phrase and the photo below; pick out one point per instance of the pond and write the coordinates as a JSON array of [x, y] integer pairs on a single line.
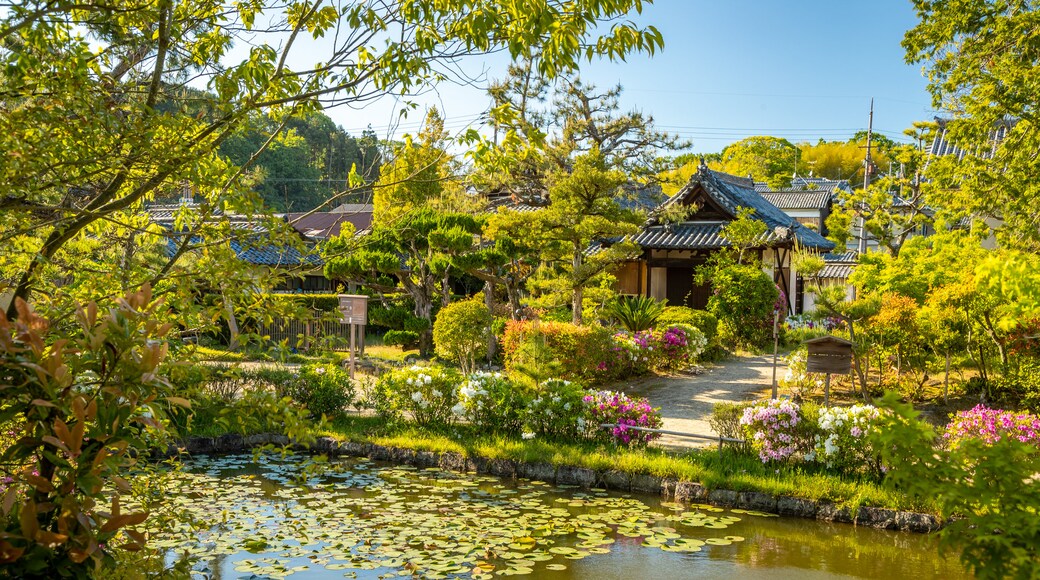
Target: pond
[[288, 517]]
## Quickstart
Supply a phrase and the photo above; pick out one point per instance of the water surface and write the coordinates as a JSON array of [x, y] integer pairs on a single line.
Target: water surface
[[276, 518]]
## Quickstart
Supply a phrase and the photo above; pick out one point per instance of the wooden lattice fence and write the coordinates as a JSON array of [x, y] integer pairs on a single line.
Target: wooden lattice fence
[[305, 334]]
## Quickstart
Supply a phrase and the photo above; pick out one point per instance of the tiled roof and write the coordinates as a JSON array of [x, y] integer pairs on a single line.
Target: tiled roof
[[798, 199], [686, 236], [832, 271], [259, 253], [942, 145], [732, 193], [799, 183], [325, 225], [513, 204], [352, 208], [849, 256]]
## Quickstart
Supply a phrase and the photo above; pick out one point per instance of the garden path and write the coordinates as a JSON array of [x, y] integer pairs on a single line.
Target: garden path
[[686, 400]]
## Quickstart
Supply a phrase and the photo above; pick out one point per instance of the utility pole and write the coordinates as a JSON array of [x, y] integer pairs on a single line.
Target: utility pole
[[862, 247]]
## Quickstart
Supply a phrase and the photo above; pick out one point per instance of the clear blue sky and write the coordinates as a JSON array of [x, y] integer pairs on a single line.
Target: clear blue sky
[[798, 69]]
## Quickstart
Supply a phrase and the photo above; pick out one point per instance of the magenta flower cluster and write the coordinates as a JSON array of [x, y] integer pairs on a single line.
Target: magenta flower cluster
[[992, 425], [771, 428], [626, 412]]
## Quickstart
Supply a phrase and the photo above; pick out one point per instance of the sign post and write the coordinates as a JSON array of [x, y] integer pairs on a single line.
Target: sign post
[[354, 311], [828, 354]]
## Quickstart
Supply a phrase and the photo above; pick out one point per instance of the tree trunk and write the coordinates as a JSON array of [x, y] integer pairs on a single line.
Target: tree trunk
[[855, 362], [946, 380], [424, 310], [446, 288], [579, 291], [232, 323], [489, 301], [513, 294]]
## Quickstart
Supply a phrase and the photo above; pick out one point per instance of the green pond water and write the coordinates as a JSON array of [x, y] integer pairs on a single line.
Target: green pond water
[[276, 518]]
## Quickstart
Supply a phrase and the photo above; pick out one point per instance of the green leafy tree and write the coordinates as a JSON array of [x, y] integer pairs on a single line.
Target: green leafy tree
[[414, 252], [461, 333], [769, 159], [583, 209], [111, 147], [893, 208], [96, 119], [980, 59], [843, 159]]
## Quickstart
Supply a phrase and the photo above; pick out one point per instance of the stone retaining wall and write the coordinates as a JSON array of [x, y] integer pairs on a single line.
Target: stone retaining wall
[[670, 489]]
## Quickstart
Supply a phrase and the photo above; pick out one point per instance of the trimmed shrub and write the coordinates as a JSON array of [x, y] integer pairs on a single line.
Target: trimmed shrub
[[545, 349], [842, 442], [428, 393], [557, 411], [492, 403], [324, 389], [618, 408], [743, 301], [702, 320], [406, 339], [462, 332]]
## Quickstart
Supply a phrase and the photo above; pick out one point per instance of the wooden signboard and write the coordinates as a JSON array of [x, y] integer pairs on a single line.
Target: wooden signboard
[[354, 309], [829, 354]]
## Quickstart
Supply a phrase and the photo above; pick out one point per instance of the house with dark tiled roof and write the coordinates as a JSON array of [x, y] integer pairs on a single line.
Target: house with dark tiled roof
[[672, 251], [319, 226], [809, 207], [251, 242]]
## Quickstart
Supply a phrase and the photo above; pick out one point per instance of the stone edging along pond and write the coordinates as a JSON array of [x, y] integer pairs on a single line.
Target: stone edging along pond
[[670, 489]]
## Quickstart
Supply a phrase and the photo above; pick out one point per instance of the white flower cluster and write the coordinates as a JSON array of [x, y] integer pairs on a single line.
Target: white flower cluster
[[473, 393], [844, 427]]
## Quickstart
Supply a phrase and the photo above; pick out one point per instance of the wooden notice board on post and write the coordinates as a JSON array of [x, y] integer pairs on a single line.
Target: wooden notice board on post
[[830, 355], [354, 310]]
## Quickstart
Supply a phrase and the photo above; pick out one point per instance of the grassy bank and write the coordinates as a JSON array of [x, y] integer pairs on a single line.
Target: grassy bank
[[727, 470]]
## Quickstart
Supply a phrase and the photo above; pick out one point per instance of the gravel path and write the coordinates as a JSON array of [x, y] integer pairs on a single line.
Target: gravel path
[[686, 400]]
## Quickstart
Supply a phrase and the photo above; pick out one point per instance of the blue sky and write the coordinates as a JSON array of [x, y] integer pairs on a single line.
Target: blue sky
[[798, 69]]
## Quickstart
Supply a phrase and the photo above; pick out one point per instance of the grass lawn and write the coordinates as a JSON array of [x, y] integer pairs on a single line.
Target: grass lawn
[[726, 470]]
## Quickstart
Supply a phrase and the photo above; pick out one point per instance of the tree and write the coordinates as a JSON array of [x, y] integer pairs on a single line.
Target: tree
[[768, 159], [96, 119], [981, 58], [583, 210], [627, 141], [110, 147], [843, 159], [892, 208], [461, 333], [420, 174], [414, 252], [986, 492]]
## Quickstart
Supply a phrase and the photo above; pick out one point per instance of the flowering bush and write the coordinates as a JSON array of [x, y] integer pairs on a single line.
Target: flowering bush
[[558, 410], [672, 347], [678, 346], [491, 402], [619, 408], [992, 425], [842, 442], [796, 380], [428, 393], [772, 429], [635, 352]]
